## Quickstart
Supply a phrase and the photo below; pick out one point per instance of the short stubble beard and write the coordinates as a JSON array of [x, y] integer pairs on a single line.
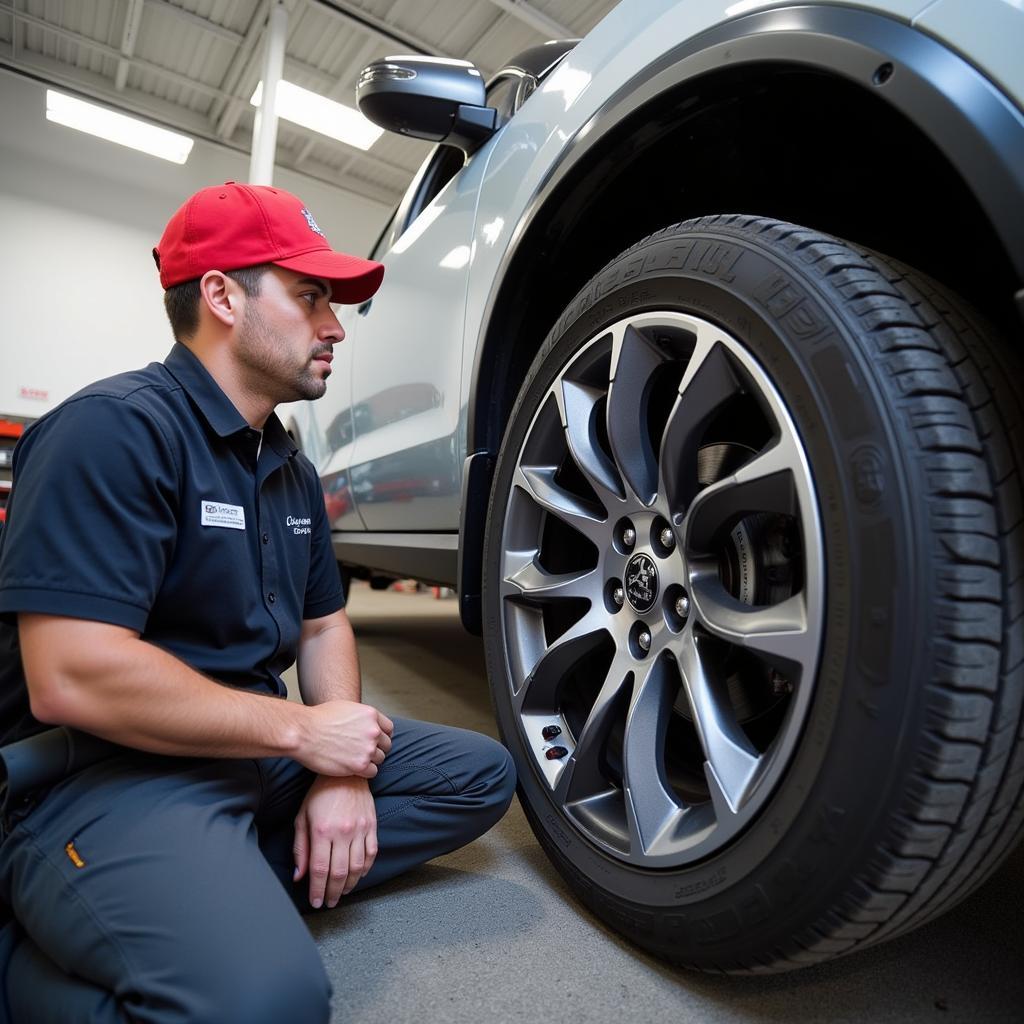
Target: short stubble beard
[[268, 372]]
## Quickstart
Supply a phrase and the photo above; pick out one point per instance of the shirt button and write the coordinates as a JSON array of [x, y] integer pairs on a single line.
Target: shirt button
[[271, 597], [266, 539]]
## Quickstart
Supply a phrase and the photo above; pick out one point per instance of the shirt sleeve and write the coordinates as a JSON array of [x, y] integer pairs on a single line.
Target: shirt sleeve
[[324, 593], [92, 518]]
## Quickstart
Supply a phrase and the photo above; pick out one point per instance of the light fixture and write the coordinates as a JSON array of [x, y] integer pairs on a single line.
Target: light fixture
[[114, 127], [322, 115]]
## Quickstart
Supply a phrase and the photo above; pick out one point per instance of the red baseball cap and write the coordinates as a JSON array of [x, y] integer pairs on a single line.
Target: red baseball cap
[[230, 226]]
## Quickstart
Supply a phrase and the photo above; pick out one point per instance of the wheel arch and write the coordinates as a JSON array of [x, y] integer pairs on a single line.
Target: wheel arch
[[763, 115]]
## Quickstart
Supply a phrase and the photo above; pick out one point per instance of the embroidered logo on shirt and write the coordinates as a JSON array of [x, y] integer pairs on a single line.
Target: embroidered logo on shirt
[[299, 525], [74, 855], [216, 513]]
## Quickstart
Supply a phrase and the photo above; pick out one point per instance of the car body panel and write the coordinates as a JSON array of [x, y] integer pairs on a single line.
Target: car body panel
[[989, 34], [424, 329], [526, 156], [405, 457]]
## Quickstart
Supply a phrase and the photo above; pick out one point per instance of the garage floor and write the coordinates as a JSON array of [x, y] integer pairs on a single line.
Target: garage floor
[[490, 933]]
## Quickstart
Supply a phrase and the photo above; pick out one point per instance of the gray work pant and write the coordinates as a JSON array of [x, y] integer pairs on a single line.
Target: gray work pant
[[182, 906]]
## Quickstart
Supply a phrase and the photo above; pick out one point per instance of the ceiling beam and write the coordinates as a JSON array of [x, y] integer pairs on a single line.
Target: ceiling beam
[[537, 20], [132, 21], [225, 115], [210, 27], [354, 15], [94, 86], [14, 35], [110, 51]]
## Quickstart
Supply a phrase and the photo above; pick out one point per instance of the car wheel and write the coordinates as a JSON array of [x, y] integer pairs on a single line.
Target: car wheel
[[753, 587]]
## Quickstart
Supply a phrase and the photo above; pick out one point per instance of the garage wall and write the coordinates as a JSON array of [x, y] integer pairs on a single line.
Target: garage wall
[[79, 293]]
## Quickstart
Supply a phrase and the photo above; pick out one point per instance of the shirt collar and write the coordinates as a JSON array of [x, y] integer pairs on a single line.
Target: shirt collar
[[278, 438], [218, 410]]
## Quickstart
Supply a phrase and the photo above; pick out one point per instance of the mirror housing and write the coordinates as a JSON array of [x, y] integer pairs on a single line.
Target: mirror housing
[[431, 98]]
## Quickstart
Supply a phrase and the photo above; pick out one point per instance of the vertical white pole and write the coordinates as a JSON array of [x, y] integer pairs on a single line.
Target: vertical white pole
[[264, 139]]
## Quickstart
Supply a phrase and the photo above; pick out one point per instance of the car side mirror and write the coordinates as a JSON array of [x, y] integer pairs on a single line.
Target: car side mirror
[[430, 98]]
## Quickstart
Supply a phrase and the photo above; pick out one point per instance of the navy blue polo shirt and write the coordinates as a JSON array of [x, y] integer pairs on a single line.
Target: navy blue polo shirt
[[140, 501]]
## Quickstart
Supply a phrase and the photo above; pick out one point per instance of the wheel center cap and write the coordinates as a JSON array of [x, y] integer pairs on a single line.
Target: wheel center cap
[[641, 582]]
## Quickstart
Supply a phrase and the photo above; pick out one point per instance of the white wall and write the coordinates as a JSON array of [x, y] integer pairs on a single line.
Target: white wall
[[80, 297]]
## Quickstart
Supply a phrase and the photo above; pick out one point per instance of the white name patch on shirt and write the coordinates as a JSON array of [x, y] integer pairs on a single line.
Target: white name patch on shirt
[[216, 513]]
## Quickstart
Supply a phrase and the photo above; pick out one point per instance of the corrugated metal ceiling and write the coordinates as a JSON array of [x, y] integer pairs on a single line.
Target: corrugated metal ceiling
[[193, 64]]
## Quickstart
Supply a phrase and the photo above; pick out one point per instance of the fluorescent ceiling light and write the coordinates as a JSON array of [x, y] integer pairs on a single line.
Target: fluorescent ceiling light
[[322, 115], [120, 128]]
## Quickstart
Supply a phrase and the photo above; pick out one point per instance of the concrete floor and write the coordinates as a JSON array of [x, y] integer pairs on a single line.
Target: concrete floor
[[491, 933]]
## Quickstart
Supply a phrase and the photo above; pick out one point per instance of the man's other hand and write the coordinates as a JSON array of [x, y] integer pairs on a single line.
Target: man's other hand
[[345, 738], [335, 838]]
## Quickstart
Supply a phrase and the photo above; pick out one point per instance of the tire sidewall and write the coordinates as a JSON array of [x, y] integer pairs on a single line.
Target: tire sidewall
[[818, 826]]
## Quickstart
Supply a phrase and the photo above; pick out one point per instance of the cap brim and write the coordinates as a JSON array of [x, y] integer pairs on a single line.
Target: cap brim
[[352, 279]]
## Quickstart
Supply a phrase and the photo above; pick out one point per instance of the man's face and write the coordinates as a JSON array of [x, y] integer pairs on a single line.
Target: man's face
[[286, 337]]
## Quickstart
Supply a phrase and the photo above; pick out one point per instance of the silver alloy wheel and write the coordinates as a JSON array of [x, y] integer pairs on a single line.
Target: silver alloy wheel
[[661, 687]]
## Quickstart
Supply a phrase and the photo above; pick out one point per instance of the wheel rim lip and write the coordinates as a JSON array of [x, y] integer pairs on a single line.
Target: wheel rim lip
[[710, 827]]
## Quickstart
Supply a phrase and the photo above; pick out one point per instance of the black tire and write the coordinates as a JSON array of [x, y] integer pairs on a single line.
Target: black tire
[[904, 791]]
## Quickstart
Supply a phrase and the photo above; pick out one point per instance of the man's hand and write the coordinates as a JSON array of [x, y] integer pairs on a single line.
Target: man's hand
[[335, 838], [345, 738]]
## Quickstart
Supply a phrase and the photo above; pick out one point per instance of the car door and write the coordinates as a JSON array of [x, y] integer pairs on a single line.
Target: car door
[[408, 447], [323, 429], [405, 375]]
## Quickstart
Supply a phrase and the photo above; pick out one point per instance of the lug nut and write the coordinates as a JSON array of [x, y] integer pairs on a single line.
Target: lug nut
[[549, 732], [682, 606], [629, 536], [667, 538], [554, 753], [781, 686], [618, 596], [644, 640]]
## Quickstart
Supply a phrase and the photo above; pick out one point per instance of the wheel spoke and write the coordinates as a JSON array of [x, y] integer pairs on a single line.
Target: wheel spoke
[[731, 757], [578, 407], [650, 805], [582, 776], [539, 483], [539, 689], [779, 632], [709, 381], [764, 484], [524, 577], [634, 360]]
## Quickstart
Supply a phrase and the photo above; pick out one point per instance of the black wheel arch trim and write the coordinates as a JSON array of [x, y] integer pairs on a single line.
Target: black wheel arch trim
[[970, 120]]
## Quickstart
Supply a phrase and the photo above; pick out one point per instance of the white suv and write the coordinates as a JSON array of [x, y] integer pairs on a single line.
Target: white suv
[[734, 499]]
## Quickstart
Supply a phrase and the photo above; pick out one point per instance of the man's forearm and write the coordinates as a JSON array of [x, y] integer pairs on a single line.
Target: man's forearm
[[328, 666]]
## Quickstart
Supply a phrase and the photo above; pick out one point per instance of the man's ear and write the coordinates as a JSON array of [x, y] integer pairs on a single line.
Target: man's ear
[[221, 296]]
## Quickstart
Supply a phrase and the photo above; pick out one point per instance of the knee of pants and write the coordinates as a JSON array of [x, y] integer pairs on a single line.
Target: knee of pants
[[496, 777]]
